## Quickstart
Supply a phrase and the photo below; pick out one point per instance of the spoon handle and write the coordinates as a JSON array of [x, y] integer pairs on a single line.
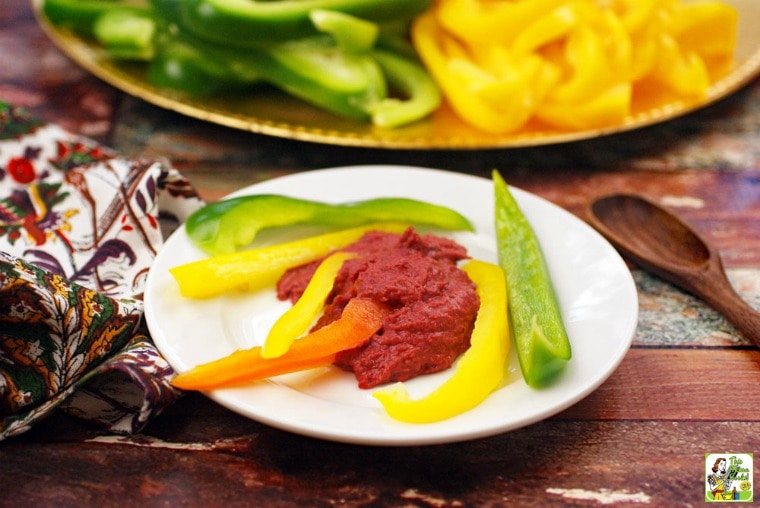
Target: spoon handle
[[721, 295]]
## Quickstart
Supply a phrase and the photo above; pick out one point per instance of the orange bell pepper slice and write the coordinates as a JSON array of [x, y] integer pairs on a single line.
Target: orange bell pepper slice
[[298, 318], [360, 320]]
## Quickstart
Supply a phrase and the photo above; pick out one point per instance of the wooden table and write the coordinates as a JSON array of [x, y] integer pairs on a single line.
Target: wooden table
[[690, 385]]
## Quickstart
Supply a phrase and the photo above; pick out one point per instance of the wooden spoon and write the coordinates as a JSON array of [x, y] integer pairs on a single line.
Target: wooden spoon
[[663, 244]]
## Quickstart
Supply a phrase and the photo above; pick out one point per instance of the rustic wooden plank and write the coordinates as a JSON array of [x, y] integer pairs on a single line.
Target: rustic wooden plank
[[37, 76], [612, 444], [551, 463], [668, 384]]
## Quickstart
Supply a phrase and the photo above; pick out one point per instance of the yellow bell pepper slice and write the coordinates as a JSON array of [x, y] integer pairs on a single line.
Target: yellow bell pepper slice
[[503, 64], [258, 268], [644, 47], [636, 15], [480, 369], [545, 29], [483, 23], [298, 318], [616, 43], [610, 107], [706, 28], [589, 68], [683, 72], [493, 103]]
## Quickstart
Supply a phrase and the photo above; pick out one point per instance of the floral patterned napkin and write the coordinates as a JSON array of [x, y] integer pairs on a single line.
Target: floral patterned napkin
[[79, 228]]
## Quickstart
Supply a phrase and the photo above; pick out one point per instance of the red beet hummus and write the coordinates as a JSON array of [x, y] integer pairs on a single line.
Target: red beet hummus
[[433, 302]]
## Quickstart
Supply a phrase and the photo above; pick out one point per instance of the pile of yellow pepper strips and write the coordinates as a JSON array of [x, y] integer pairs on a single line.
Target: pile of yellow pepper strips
[[571, 64]]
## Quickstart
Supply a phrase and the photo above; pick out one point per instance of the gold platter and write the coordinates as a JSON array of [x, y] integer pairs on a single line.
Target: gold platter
[[276, 114]]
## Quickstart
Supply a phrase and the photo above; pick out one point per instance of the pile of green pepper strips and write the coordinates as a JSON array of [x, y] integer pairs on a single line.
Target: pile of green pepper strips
[[348, 57]]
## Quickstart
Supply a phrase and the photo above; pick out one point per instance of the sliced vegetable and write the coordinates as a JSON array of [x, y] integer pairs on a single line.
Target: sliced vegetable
[[543, 347], [353, 34], [79, 16], [258, 268], [572, 64], [318, 70], [360, 320], [223, 226], [320, 51], [321, 73], [480, 369], [126, 34], [186, 67], [495, 100], [243, 22], [418, 95], [297, 319]]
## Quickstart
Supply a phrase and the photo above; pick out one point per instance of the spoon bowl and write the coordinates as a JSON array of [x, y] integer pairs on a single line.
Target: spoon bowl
[[660, 242]]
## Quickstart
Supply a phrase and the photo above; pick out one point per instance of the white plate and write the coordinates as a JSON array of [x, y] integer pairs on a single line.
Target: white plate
[[596, 292]]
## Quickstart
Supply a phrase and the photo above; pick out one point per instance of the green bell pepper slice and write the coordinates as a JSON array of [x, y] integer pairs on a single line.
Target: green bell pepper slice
[[79, 15], [224, 226], [314, 70], [127, 33], [244, 23], [541, 341], [181, 66], [417, 93], [342, 65], [353, 34], [338, 71], [320, 73]]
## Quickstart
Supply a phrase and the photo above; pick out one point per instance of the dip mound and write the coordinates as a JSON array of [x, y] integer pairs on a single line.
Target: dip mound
[[433, 304]]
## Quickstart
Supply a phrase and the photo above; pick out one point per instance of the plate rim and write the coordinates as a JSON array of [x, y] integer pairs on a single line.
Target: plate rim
[[227, 398]]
